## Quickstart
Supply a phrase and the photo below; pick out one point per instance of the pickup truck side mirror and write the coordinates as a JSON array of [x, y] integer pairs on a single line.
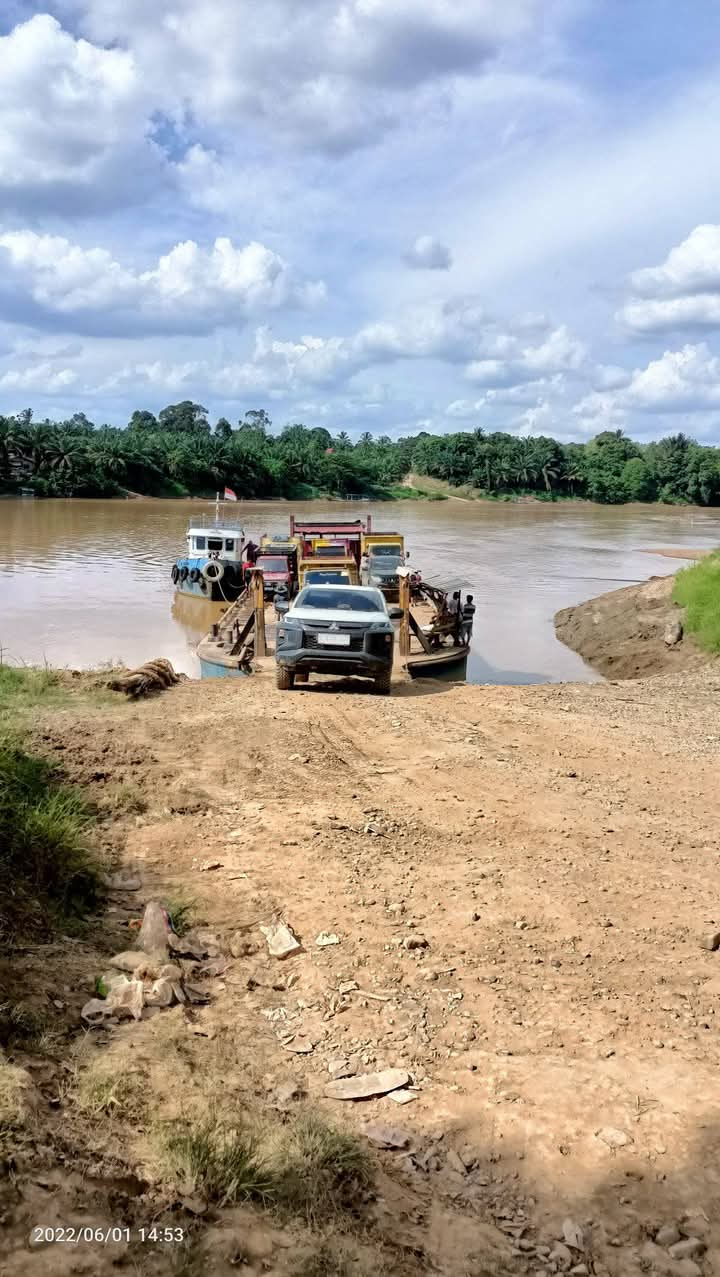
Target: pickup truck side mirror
[[395, 613]]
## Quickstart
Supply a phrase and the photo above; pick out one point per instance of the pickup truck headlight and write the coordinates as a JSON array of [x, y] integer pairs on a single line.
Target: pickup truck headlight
[[289, 634]]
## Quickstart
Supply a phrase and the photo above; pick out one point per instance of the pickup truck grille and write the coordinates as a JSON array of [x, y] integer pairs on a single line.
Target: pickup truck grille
[[356, 643]]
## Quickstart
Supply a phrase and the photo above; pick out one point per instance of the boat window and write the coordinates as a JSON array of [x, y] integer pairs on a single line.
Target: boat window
[[229, 544], [199, 543], [214, 543]]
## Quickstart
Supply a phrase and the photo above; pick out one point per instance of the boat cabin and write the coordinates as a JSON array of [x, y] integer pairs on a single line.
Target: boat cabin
[[224, 539]]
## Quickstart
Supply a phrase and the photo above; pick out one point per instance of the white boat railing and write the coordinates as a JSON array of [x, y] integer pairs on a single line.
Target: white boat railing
[[211, 521]]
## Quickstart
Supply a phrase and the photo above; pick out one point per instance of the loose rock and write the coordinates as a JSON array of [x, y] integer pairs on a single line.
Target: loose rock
[[326, 938], [367, 1085], [573, 1235], [688, 1248], [667, 1235], [711, 942], [281, 939], [613, 1137], [386, 1136]]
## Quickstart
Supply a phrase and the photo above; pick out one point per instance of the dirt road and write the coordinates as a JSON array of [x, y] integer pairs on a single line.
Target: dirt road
[[521, 880]]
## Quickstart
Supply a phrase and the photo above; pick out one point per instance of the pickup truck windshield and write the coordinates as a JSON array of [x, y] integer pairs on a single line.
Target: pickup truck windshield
[[268, 564], [337, 600], [393, 550]]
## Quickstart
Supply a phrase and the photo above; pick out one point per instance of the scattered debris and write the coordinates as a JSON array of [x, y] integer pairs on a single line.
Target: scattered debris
[[344, 1068], [386, 1136], [123, 881], [208, 865], [155, 929], [300, 1045], [367, 1085], [326, 938], [281, 939], [614, 1138], [241, 947], [415, 942], [153, 676], [673, 634], [125, 998], [573, 1235], [403, 1096]]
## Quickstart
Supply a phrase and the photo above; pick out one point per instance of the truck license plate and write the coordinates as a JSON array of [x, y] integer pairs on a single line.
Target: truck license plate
[[334, 640]]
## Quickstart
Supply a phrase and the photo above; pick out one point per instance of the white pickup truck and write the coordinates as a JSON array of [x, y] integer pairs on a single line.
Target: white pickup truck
[[336, 629]]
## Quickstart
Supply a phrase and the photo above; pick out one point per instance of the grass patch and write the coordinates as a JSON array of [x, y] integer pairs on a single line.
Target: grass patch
[[321, 1172], [128, 801], [181, 911], [22, 690], [21, 1025], [103, 1094], [697, 589], [48, 875], [307, 1168], [13, 1097], [225, 1163]]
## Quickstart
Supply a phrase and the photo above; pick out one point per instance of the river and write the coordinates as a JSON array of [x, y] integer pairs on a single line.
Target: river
[[84, 583]]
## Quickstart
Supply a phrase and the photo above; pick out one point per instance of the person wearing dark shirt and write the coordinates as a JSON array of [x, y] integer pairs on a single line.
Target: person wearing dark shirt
[[467, 613]]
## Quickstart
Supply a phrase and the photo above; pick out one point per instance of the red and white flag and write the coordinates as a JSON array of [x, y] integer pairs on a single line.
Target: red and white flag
[[230, 495]]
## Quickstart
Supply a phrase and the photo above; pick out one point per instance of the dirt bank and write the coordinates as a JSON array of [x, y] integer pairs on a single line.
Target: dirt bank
[[521, 881], [622, 633]]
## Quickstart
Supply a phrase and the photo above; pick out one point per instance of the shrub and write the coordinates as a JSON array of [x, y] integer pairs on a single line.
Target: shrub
[[47, 871], [697, 589]]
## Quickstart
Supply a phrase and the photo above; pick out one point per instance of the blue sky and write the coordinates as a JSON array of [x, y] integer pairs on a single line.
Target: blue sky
[[364, 214]]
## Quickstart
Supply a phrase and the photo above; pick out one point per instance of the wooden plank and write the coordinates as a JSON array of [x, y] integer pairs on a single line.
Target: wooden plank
[[420, 636]]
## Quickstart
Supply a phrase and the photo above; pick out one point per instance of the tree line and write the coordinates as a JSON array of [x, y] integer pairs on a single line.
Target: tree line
[[179, 453]]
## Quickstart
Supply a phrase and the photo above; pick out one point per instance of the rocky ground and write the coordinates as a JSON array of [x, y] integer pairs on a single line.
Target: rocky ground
[[634, 632], [522, 884]]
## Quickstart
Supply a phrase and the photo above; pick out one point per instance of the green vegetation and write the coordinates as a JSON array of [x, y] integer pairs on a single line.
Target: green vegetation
[[181, 911], [178, 453], [105, 1093], [22, 1025], [697, 589], [48, 874], [307, 1168]]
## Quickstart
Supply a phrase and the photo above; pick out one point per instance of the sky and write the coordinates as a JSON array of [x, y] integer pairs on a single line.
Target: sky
[[364, 214]]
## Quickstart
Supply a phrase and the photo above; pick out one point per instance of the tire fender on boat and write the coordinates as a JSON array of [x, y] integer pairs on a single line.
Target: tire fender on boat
[[214, 570], [194, 575], [174, 573], [184, 573]]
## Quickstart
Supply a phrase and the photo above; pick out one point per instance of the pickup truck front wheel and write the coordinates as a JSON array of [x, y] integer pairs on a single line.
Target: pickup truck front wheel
[[381, 683], [284, 678]]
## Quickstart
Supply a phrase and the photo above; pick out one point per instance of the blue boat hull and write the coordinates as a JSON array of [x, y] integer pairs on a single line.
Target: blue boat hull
[[209, 669], [226, 590]]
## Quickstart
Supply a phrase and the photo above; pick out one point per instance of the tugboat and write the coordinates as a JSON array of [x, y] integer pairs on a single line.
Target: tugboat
[[213, 568]]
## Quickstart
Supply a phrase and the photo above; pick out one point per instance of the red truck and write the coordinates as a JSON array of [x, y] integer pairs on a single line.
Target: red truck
[[278, 567]]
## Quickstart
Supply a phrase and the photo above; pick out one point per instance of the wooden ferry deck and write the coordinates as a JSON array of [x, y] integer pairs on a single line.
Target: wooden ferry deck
[[237, 643]]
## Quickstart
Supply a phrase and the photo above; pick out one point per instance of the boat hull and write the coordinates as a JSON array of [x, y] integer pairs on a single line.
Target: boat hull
[[214, 669], [214, 592]]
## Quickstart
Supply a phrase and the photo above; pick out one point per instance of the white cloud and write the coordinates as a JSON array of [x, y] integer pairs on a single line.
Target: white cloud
[[428, 254], [679, 381], [558, 352], [74, 120], [683, 291], [332, 73], [41, 378], [188, 289]]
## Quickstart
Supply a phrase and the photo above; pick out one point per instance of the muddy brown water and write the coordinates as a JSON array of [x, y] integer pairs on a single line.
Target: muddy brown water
[[88, 582]]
